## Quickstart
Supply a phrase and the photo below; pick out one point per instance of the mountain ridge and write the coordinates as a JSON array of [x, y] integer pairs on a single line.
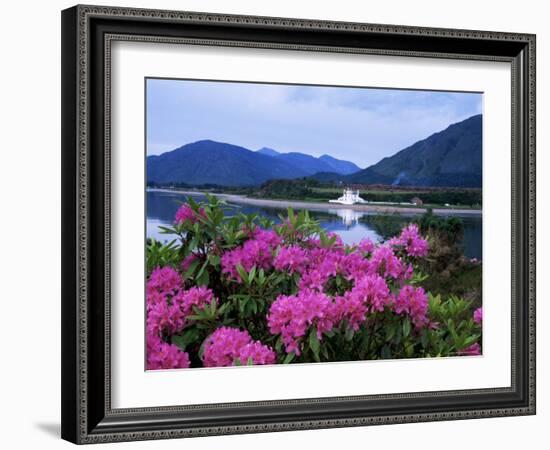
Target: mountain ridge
[[451, 157], [219, 163]]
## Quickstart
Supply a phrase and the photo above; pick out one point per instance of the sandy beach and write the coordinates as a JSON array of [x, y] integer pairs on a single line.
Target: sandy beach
[[296, 204]]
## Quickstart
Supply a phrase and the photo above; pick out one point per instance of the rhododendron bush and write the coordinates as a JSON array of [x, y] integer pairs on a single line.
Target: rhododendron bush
[[233, 290]]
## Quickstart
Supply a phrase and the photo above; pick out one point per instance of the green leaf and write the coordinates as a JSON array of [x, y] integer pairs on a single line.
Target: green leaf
[[203, 267], [288, 358], [386, 352], [203, 279], [406, 327], [424, 339], [251, 275], [243, 273], [314, 343], [391, 332], [348, 336], [261, 277], [191, 270], [188, 337]]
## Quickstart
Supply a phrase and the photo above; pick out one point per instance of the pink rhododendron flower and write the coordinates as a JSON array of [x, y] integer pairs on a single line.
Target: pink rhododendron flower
[[386, 264], [164, 319], [351, 309], [291, 259], [366, 246], [478, 316], [270, 237], [256, 353], [370, 293], [291, 316], [186, 214], [414, 302], [164, 280], [374, 291], [257, 251], [415, 245], [355, 266], [161, 355], [196, 296], [227, 345], [472, 350], [313, 280]]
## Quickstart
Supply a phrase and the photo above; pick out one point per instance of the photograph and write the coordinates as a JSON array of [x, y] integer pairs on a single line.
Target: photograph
[[290, 223], [273, 222]]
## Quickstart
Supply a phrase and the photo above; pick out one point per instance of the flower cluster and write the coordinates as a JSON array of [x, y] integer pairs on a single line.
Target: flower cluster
[[169, 304], [230, 346], [413, 244], [198, 297], [257, 251], [168, 308], [163, 281], [186, 214], [292, 259], [292, 316], [161, 355], [306, 293], [387, 264], [414, 302]]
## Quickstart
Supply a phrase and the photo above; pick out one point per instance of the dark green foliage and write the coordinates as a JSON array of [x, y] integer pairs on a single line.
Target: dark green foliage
[[450, 230], [287, 189], [450, 272], [455, 197]]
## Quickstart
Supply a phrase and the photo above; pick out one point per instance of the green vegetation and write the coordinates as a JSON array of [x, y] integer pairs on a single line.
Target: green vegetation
[[451, 273], [313, 190]]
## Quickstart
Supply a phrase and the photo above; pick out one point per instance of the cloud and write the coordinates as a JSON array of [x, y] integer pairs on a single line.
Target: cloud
[[362, 125]]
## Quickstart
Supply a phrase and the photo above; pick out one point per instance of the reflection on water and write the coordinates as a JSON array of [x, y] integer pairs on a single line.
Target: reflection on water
[[350, 225]]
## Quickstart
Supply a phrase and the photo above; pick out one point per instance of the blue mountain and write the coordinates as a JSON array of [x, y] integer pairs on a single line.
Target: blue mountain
[[449, 158], [211, 162], [268, 151], [339, 165], [311, 164]]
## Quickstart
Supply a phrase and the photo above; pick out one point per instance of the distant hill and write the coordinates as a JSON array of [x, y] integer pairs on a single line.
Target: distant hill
[[210, 162], [450, 158], [340, 166], [217, 163], [311, 164], [268, 151], [306, 163]]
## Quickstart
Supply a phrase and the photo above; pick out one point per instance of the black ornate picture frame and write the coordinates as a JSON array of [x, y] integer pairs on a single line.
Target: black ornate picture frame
[[87, 35]]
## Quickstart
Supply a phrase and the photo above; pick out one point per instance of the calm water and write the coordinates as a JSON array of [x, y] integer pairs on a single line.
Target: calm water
[[350, 225]]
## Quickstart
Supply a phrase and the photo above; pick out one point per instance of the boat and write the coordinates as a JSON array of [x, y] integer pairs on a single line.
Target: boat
[[349, 197]]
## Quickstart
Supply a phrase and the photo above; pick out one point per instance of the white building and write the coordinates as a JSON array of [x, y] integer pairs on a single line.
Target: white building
[[349, 198]]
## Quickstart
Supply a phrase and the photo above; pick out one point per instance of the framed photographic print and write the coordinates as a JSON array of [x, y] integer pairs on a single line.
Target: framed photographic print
[[281, 224]]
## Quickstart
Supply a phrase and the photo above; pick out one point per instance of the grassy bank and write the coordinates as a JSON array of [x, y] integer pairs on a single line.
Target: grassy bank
[[312, 190]]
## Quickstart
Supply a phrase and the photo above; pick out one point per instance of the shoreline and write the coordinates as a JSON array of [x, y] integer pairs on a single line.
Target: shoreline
[[300, 204]]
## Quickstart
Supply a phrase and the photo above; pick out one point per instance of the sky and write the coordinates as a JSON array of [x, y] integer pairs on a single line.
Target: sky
[[362, 125]]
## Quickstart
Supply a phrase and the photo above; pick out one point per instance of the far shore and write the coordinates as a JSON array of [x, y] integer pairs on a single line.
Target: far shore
[[297, 204]]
